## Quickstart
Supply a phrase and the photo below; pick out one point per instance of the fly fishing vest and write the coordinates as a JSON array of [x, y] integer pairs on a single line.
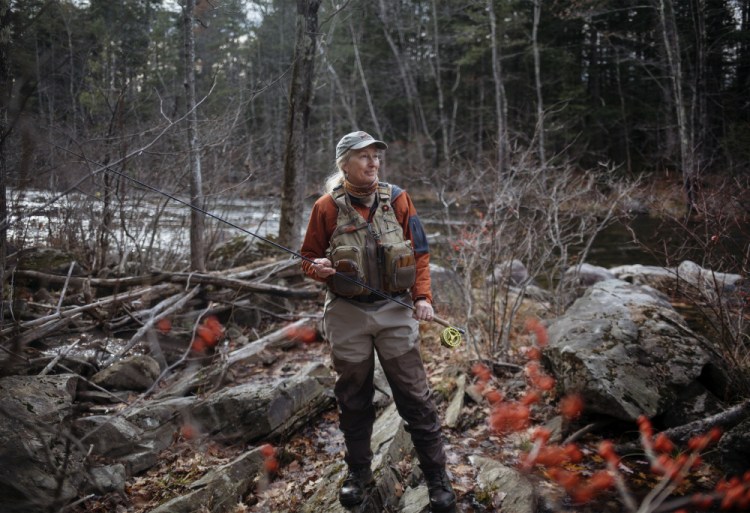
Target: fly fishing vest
[[370, 251]]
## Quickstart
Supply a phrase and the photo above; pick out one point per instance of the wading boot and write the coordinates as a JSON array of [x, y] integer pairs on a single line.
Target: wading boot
[[355, 486], [442, 497]]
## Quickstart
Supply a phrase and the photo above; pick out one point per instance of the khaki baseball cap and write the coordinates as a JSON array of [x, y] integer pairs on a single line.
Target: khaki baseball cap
[[356, 141]]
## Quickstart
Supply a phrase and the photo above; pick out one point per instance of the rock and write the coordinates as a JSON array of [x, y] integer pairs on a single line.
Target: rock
[[249, 412], [47, 260], [108, 435], [585, 275], [512, 273], [625, 349], [448, 292], [511, 491], [390, 444], [137, 373], [659, 278], [38, 408], [414, 500], [520, 285], [453, 411], [474, 392], [220, 489], [706, 278], [691, 403], [733, 450], [108, 478], [688, 278], [578, 278], [32, 409]]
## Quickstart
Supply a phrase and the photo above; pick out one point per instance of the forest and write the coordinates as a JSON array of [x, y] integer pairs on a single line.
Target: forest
[[158, 159]]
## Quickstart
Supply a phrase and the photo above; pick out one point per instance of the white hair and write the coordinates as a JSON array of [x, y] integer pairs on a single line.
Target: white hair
[[337, 177]]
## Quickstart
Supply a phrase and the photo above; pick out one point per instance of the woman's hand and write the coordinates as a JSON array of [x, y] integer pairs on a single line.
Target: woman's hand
[[323, 268], [423, 310]]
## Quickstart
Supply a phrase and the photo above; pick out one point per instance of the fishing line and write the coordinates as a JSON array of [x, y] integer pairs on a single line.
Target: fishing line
[[451, 336]]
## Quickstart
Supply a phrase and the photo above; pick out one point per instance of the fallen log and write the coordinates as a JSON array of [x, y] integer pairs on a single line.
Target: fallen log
[[144, 294], [200, 378], [49, 327], [725, 420], [283, 338], [80, 281], [243, 285], [267, 270]]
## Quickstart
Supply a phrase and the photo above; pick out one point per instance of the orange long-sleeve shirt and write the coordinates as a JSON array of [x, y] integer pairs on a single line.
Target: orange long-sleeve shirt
[[322, 224]]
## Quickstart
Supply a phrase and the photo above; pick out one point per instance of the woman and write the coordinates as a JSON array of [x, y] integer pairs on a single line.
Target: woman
[[365, 241]]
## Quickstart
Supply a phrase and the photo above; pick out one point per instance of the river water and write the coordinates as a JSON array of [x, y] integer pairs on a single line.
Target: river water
[[149, 223]]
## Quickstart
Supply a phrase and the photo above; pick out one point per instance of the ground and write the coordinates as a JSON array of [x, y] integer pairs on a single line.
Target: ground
[[303, 458]]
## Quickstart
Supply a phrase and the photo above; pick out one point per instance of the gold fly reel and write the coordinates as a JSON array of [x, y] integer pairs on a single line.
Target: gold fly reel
[[450, 337]]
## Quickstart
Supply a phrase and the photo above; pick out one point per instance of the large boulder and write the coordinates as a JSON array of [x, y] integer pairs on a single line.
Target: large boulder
[[40, 414], [32, 410], [626, 350], [688, 279]]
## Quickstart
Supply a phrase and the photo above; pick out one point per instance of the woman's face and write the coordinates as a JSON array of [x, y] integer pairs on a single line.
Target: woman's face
[[362, 166]]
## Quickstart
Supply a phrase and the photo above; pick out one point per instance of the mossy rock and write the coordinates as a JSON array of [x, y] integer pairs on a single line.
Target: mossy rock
[[48, 260]]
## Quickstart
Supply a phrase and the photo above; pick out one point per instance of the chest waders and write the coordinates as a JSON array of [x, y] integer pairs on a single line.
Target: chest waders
[[370, 251]]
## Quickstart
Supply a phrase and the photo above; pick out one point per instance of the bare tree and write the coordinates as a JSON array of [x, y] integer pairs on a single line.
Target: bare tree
[[5, 82], [497, 78], [417, 119], [365, 87], [197, 221], [684, 130], [538, 81], [436, 66], [300, 95]]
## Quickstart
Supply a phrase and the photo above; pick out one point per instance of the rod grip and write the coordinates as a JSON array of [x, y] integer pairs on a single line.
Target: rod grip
[[447, 324]]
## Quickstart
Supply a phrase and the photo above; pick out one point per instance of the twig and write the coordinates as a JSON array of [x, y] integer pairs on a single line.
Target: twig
[[65, 286], [80, 309], [586, 429], [150, 323], [57, 358]]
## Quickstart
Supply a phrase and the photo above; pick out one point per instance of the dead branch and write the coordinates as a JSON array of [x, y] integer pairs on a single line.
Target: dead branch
[[173, 305], [142, 293], [79, 281], [725, 420], [243, 285]]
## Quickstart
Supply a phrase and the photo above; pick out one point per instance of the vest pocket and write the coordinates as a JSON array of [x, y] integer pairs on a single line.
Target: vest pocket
[[400, 266], [347, 260]]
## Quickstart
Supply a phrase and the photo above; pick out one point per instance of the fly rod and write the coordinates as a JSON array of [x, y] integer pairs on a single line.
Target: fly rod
[[450, 336]]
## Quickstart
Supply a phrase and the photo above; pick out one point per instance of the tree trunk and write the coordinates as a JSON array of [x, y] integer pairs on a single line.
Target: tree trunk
[[685, 133], [300, 95], [499, 96], [444, 133], [5, 86], [417, 120], [197, 221], [538, 82], [365, 87]]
